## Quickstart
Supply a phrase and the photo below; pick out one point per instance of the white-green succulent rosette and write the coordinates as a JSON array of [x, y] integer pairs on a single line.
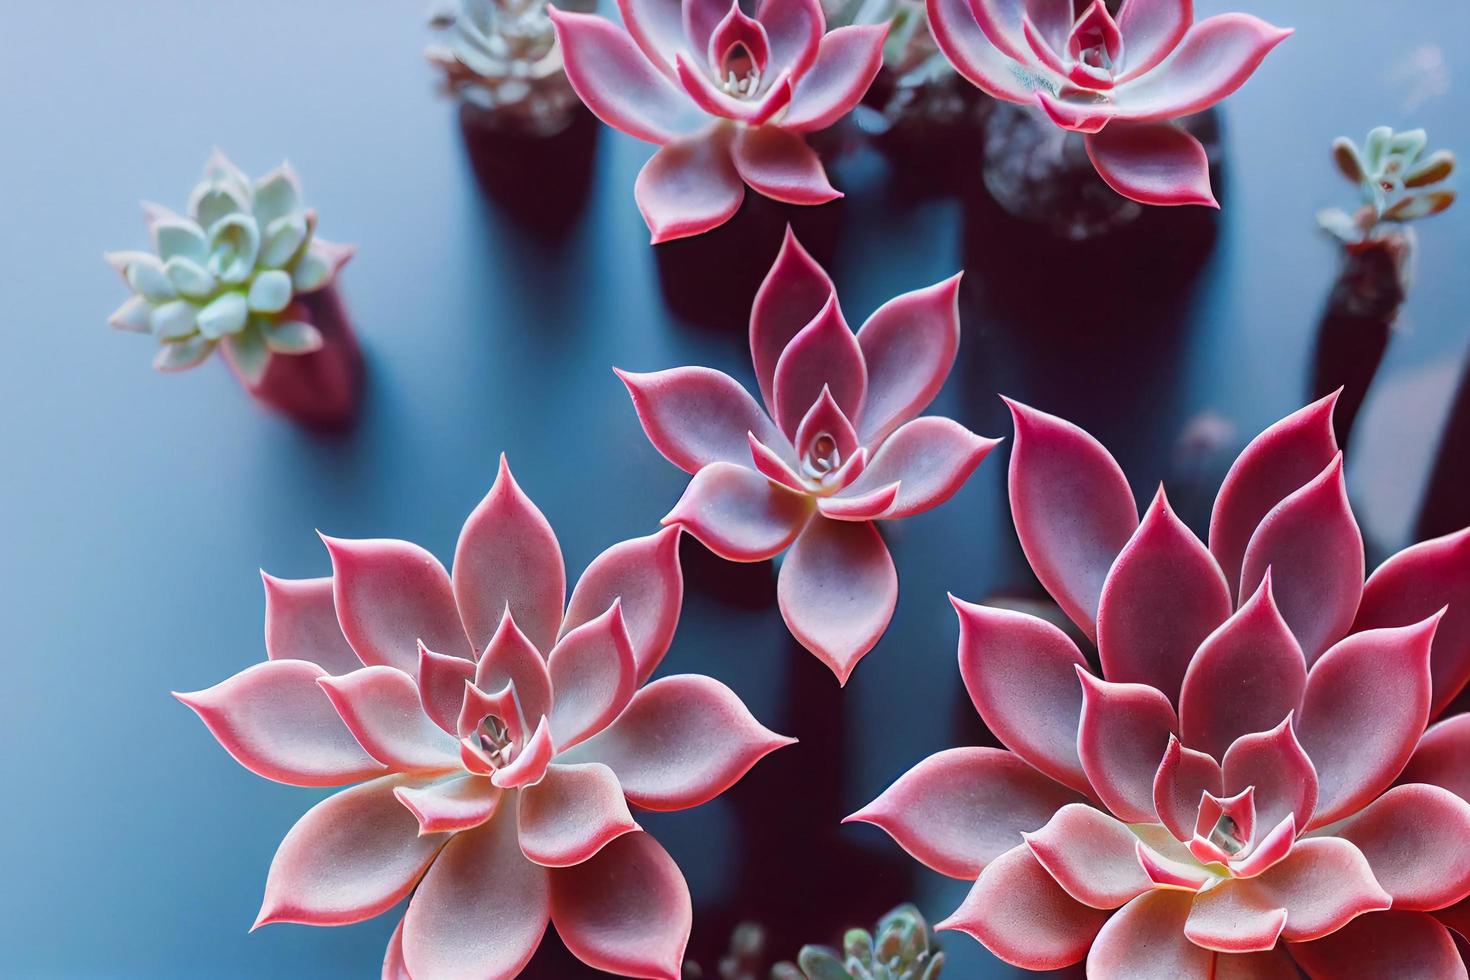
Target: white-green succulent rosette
[[228, 274], [1397, 180]]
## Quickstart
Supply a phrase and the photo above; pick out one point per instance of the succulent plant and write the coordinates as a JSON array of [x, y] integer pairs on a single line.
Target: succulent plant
[[501, 57], [729, 98], [228, 272], [493, 739], [1119, 81], [839, 445], [1249, 785], [1398, 183], [901, 948]]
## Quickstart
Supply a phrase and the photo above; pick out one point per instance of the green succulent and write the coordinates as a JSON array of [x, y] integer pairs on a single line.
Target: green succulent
[[501, 57], [1398, 181], [901, 948], [228, 272]]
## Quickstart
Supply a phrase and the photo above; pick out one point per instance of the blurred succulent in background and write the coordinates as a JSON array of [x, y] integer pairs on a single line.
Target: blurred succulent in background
[[1397, 180], [228, 273], [901, 948], [1398, 183], [501, 57]]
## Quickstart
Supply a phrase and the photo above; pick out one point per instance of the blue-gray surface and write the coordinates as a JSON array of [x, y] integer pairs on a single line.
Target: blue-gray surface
[[138, 507]]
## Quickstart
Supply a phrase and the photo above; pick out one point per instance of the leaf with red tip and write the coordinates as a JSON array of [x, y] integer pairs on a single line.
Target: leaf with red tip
[[682, 741], [1213, 59], [795, 29], [1323, 884], [1019, 912], [1275, 763], [1176, 872], [508, 558], [711, 97], [644, 573], [350, 857], [627, 910], [848, 59], [1121, 739], [301, 624], [390, 595], [909, 345], [593, 676], [1384, 944], [381, 706], [1182, 779], [695, 416], [1021, 673], [1237, 811], [1152, 163], [960, 809], [1091, 855], [930, 458], [984, 65], [825, 418], [774, 468], [1279, 461], [530, 763], [1162, 597], [510, 658], [618, 83], [571, 814], [837, 589], [1311, 543], [860, 507], [1245, 677], [658, 28], [450, 805], [1417, 582], [790, 297], [1366, 705], [688, 187], [1151, 29], [1442, 757], [275, 721], [1268, 851], [1072, 507], [441, 687], [824, 354], [777, 163], [1417, 841], [1145, 941], [739, 514], [460, 922]]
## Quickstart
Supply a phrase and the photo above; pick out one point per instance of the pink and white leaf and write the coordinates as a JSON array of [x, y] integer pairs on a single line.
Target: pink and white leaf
[[1383, 944], [682, 741], [1442, 757], [593, 676], [275, 721], [508, 558], [511, 658], [1366, 704], [1122, 737], [1021, 674], [644, 574], [349, 858], [779, 164], [1018, 911], [696, 416], [837, 589], [848, 59], [1417, 841], [572, 814], [1162, 597], [1091, 855], [381, 707], [301, 624], [740, 514], [1152, 163], [626, 910], [909, 345], [390, 595], [1072, 507], [962, 808], [1184, 776], [452, 804], [1276, 765], [823, 354], [794, 291], [688, 187], [1145, 941], [930, 458]]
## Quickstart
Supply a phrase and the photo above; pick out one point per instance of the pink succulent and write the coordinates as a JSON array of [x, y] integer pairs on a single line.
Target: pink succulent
[[1118, 81], [1249, 784], [495, 740], [839, 445], [728, 98]]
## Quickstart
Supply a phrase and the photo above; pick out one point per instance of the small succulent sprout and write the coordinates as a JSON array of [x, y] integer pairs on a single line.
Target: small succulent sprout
[[228, 272], [1398, 181], [902, 948], [501, 57]]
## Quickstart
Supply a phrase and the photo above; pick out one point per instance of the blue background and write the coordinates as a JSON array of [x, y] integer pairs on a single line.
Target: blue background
[[138, 507]]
